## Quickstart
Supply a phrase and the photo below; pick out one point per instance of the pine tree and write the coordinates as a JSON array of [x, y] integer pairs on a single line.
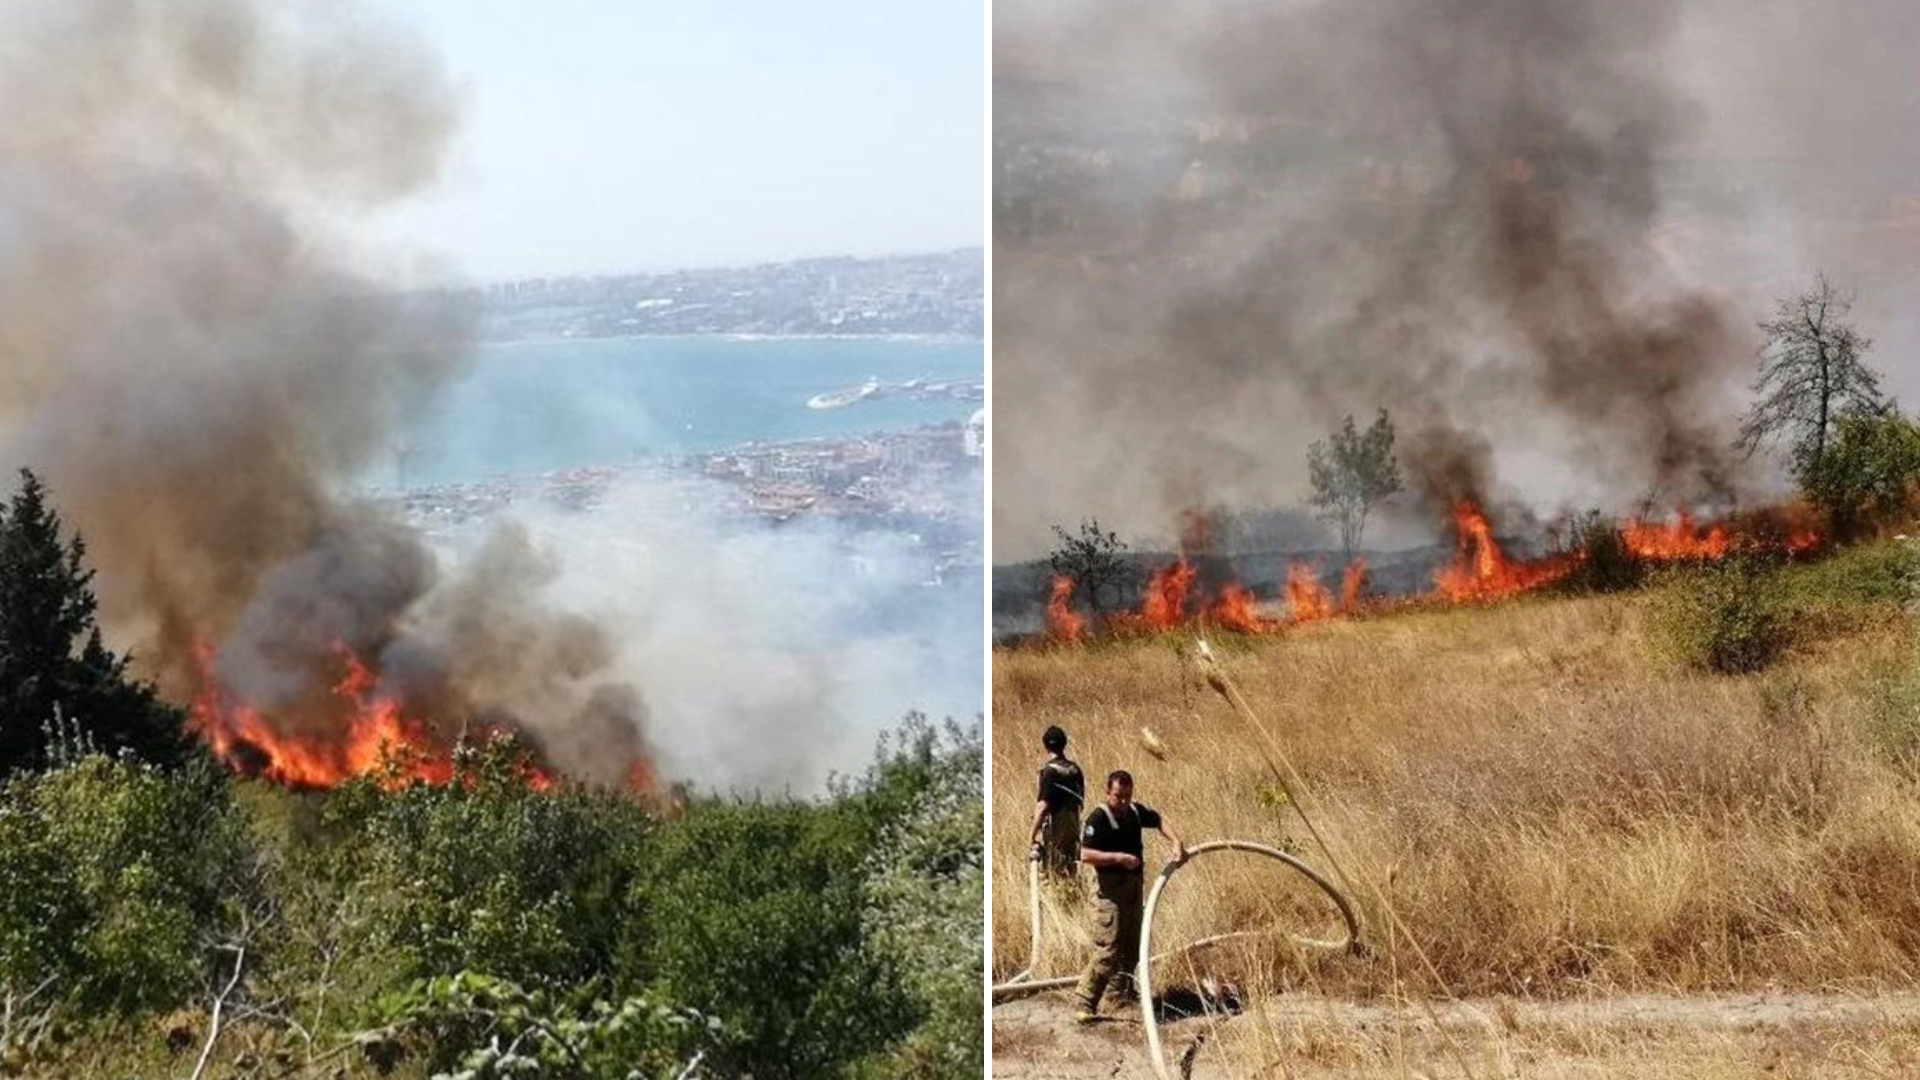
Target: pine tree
[[51, 652]]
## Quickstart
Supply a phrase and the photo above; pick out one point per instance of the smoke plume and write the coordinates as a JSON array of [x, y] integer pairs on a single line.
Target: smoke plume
[[1221, 226], [189, 357]]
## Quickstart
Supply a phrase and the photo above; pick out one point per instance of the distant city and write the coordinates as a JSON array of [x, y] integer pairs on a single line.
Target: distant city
[[913, 482], [924, 295]]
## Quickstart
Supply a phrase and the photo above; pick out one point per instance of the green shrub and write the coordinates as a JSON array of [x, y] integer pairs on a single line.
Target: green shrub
[[1864, 574], [118, 881], [1869, 476], [752, 912], [1609, 565], [474, 1026], [486, 873], [925, 887], [1725, 617]]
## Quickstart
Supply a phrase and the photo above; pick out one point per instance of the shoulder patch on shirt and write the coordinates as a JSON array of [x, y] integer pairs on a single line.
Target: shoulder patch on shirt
[[1089, 832]]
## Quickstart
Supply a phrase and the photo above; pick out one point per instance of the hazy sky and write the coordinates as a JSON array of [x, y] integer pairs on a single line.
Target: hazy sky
[[602, 136]]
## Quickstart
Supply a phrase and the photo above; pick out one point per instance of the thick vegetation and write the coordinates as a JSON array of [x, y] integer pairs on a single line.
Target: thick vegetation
[[430, 928], [161, 917]]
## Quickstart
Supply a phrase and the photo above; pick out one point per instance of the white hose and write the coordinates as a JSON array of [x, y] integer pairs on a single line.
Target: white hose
[[1022, 981], [1144, 975]]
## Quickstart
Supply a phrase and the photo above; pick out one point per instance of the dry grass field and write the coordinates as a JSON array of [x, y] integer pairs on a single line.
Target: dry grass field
[[1549, 804]]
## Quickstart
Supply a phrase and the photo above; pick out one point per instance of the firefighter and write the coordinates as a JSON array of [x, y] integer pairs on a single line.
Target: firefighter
[[1056, 811], [1113, 844]]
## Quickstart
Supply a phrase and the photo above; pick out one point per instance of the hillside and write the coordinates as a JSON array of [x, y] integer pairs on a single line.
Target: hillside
[[1551, 804]]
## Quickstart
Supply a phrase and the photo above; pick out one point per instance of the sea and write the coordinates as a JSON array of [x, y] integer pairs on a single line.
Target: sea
[[535, 407]]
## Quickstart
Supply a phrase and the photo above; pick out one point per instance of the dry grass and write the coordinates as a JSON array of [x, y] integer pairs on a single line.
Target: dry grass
[[1552, 806]]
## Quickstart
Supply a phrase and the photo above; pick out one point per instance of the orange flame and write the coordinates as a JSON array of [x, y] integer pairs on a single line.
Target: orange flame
[[1238, 610], [1351, 583], [373, 737], [1481, 571], [1307, 599], [1654, 542], [1478, 571], [1064, 623], [1166, 602]]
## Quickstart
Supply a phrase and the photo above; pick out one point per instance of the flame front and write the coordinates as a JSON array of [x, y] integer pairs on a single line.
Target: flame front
[[370, 734], [1063, 623], [1478, 571], [1307, 599], [1481, 571], [1672, 543]]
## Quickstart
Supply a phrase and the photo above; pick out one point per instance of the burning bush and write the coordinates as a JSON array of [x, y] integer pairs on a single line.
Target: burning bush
[[1609, 562]]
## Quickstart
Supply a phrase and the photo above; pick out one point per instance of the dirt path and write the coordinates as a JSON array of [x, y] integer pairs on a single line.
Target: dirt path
[[1640, 1035]]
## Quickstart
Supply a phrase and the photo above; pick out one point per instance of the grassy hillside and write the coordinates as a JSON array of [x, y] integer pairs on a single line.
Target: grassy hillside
[[1550, 798]]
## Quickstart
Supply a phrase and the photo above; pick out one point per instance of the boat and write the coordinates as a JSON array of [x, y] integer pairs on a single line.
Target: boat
[[838, 398]]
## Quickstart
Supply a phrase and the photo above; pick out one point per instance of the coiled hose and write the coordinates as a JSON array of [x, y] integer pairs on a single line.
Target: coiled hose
[[1022, 982]]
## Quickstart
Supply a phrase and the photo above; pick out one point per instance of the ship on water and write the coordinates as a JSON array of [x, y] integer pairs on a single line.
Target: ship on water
[[838, 398]]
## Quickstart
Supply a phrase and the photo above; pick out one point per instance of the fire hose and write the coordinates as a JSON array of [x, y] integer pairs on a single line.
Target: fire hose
[[1022, 982]]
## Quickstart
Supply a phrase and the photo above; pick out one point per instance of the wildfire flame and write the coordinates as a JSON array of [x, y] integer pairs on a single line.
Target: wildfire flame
[[372, 736], [1352, 581], [1166, 604], [1679, 541], [1064, 623], [1481, 571], [1307, 599], [1237, 610]]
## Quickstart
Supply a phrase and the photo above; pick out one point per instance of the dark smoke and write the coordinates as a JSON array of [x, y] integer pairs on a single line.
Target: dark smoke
[[1221, 226], [190, 356]]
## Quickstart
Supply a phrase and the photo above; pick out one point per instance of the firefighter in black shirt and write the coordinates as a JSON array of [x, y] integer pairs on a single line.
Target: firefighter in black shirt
[[1056, 813], [1113, 845]]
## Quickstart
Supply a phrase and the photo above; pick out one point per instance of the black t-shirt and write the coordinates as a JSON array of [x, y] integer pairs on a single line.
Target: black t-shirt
[[1119, 831], [1062, 787]]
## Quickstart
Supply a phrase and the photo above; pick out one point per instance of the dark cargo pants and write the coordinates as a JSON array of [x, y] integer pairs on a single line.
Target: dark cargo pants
[[1116, 938], [1060, 849]]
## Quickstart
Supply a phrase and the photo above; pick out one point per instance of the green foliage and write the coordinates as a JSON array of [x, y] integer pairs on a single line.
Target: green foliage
[[1725, 617], [1609, 564], [487, 874], [753, 911], [1869, 476], [52, 658], [1895, 724], [1352, 473], [476, 1027], [925, 889], [830, 937], [117, 881], [1095, 561], [1857, 576]]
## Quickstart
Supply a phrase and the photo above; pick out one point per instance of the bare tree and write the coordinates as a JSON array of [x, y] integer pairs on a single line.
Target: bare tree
[[1352, 473], [1811, 374], [1094, 561]]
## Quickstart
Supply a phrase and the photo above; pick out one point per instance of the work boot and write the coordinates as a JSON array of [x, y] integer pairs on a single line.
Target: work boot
[[1088, 1014]]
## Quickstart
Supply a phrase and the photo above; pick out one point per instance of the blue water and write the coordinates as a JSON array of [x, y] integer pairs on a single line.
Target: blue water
[[534, 407]]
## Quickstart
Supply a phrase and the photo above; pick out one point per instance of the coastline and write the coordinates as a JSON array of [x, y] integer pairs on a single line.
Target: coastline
[[906, 339]]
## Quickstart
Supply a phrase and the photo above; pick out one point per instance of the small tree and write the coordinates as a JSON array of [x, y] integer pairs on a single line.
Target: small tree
[[1811, 374], [1093, 560], [51, 653], [1869, 474], [1352, 473]]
